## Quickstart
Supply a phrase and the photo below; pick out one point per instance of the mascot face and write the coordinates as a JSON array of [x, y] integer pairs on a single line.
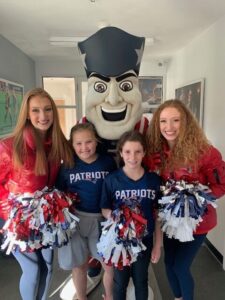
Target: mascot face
[[113, 104], [111, 58]]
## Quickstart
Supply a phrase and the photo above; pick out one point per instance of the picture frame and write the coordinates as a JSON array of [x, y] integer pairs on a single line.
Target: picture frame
[[192, 95], [151, 88], [11, 96]]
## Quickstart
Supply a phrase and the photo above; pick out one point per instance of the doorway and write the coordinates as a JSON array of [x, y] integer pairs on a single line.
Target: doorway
[[63, 92]]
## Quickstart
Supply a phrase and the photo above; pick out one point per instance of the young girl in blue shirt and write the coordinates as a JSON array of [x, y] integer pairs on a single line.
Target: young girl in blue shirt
[[85, 179], [133, 179]]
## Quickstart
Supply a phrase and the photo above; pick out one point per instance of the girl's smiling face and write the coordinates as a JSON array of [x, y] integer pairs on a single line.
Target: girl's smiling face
[[85, 143], [132, 154]]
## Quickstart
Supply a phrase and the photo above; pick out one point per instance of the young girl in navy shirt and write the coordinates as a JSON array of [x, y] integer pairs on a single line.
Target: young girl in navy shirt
[[132, 179], [85, 179]]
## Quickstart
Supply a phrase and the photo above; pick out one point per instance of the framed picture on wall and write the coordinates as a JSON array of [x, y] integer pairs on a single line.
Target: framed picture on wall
[[151, 88], [11, 95], [192, 94]]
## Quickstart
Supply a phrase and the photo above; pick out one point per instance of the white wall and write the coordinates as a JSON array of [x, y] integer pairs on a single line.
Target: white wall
[[205, 57]]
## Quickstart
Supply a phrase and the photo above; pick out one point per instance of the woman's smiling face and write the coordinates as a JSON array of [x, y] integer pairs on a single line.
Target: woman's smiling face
[[170, 123], [40, 113]]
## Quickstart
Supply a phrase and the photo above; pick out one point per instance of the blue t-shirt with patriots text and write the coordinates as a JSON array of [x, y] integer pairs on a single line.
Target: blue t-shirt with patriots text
[[117, 187], [86, 180]]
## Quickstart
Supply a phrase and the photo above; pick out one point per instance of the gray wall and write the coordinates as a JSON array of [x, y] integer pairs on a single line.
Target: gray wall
[[58, 68], [15, 65]]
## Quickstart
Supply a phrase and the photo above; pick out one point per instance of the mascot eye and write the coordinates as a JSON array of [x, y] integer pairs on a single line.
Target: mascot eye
[[126, 86], [100, 87]]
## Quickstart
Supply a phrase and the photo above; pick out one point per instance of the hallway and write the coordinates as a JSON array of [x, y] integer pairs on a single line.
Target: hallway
[[207, 271]]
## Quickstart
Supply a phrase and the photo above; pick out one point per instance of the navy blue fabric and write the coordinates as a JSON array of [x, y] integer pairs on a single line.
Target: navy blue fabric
[[178, 259], [138, 271], [111, 51], [86, 180], [37, 272], [117, 187]]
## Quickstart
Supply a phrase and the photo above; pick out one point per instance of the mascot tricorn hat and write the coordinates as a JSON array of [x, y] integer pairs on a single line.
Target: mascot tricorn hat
[[111, 52]]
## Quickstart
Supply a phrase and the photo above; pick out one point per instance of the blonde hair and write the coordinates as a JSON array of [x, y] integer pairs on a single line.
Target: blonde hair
[[60, 149], [81, 127], [190, 144]]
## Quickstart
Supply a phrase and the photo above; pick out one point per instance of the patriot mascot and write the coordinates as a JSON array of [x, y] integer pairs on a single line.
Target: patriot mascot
[[111, 58]]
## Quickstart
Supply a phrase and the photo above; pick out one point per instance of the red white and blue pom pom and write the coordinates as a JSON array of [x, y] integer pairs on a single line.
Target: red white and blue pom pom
[[121, 239], [44, 218], [182, 207]]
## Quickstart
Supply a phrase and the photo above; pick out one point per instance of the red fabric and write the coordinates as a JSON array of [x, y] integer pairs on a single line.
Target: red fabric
[[23, 179], [142, 125], [139, 222], [210, 171]]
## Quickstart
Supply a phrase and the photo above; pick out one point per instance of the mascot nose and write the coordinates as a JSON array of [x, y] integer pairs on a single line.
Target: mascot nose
[[113, 96]]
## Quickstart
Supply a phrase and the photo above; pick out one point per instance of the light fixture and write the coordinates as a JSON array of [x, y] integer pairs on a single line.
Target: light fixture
[[66, 41]]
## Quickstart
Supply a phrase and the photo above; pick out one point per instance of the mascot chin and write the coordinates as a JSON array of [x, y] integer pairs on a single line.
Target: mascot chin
[[111, 58]]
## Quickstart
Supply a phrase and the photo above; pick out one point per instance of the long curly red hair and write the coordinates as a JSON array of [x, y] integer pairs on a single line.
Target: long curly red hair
[[190, 144]]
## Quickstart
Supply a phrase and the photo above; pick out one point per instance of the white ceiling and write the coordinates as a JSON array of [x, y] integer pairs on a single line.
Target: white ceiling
[[29, 24]]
